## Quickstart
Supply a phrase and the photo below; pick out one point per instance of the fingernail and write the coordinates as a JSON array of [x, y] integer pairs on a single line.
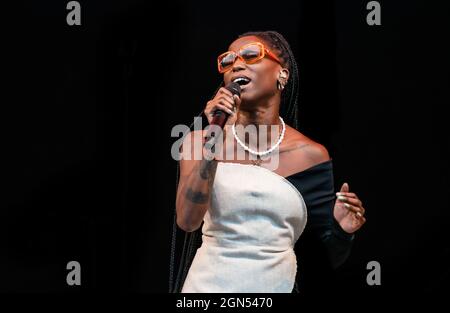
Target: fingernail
[[342, 198], [347, 205]]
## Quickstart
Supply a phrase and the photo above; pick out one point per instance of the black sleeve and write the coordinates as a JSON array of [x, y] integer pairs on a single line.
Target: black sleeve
[[317, 188]]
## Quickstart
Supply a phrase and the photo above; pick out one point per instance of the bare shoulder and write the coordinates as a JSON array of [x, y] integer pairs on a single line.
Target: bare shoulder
[[302, 149]]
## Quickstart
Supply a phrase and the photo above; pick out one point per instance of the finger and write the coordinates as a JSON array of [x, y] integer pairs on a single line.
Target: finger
[[351, 201], [225, 91], [210, 107], [224, 108], [226, 104], [354, 209], [360, 218], [355, 204], [229, 101], [209, 104], [347, 194], [237, 100], [344, 188]]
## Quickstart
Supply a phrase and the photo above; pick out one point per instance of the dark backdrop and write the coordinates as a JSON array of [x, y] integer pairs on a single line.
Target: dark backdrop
[[88, 112]]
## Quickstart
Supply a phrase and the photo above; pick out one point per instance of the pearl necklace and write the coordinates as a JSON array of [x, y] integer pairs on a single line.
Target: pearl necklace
[[258, 153]]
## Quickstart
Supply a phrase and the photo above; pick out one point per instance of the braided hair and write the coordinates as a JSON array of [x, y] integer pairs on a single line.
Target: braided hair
[[288, 110]]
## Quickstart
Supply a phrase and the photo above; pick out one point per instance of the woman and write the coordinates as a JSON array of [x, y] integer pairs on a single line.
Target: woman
[[252, 213]]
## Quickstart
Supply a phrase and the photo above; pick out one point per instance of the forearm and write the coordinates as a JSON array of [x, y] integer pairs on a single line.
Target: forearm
[[193, 196]]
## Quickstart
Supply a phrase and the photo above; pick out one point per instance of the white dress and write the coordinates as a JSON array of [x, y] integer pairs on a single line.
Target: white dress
[[249, 232]]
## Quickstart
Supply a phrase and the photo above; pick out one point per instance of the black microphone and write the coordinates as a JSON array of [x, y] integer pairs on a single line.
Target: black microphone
[[219, 116]]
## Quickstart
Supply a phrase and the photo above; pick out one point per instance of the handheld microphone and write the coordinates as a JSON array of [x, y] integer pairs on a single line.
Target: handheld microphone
[[219, 116]]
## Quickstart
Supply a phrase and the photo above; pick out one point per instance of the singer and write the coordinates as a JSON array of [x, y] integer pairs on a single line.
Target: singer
[[241, 218]]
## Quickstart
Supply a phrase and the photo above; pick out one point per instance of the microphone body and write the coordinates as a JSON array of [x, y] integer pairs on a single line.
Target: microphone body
[[220, 117]]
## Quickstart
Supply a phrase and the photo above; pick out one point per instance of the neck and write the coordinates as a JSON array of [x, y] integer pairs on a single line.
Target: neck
[[262, 116]]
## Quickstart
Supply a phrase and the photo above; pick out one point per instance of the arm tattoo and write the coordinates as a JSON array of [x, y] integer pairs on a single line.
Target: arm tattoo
[[196, 196], [205, 169]]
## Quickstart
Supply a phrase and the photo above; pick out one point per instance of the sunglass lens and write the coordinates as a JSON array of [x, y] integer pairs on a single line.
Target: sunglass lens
[[251, 53], [227, 60]]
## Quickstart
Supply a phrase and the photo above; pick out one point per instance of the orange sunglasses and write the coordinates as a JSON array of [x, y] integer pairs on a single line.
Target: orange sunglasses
[[249, 53]]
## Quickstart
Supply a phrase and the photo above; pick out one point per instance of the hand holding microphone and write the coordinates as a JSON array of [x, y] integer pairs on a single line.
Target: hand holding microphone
[[225, 103]]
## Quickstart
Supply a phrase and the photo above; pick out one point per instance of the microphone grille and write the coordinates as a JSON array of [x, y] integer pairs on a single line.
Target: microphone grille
[[235, 88]]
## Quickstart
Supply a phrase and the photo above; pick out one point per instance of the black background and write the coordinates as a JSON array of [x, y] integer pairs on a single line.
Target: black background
[[87, 114]]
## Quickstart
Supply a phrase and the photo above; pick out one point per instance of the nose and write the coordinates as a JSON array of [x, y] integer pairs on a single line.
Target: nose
[[238, 65]]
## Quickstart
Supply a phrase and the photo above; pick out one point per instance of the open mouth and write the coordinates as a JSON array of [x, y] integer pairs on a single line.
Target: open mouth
[[242, 81]]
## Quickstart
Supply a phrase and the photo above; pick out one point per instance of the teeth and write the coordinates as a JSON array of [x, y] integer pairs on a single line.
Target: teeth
[[241, 79]]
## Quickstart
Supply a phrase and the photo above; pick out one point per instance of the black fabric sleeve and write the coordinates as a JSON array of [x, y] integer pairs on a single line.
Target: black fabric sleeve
[[322, 238], [316, 185]]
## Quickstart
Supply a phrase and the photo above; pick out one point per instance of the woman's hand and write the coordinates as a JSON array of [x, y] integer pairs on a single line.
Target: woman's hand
[[225, 101], [348, 210]]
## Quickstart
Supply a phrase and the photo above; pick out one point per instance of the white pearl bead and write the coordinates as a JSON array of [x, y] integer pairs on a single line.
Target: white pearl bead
[[243, 145]]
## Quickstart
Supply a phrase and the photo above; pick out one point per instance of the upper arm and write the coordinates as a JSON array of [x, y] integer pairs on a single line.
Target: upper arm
[[191, 150], [316, 153], [305, 153]]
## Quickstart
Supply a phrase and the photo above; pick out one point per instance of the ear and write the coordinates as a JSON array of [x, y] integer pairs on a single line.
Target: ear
[[284, 75]]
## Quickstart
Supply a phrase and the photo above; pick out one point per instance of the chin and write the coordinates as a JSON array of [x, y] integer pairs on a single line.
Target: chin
[[251, 97]]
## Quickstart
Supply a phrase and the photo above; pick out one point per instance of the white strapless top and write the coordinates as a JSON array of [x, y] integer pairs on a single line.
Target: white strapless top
[[249, 232]]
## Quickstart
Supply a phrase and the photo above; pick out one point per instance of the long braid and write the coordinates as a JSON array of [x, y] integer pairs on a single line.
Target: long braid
[[288, 110]]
